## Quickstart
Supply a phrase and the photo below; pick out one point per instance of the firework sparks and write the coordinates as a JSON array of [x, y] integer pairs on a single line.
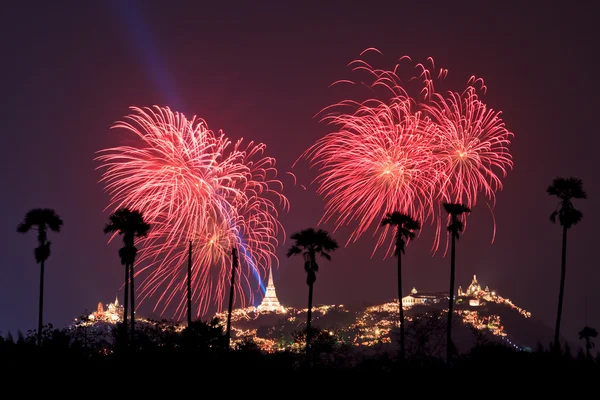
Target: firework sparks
[[407, 148], [380, 159], [195, 184], [471, 145]]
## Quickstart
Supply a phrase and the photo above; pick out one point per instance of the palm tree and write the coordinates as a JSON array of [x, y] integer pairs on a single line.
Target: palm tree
[[189, 286], [565, 189], [455, 227], [405, 231], [42, 219], [131, 225], [309, 243], [588, 333], [234, 265]]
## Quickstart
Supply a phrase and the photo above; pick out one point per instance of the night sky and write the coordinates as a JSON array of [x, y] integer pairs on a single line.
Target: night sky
[[69, 70]]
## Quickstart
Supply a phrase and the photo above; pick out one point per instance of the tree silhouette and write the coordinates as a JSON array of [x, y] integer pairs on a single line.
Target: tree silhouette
[[41, 219], [588, 333], [565, 189], [189, 285], [234, 265], [405, 227], [455, 227], [309, 243], [131, 225]]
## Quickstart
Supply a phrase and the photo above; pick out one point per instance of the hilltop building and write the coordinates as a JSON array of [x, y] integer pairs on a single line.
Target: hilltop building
[[270, 303], [113, 312], [421, 298], [474, 289]]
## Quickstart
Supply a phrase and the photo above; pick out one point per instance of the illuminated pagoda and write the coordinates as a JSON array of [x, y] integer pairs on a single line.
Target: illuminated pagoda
[[473, 289], [270, 303], [113, 312]]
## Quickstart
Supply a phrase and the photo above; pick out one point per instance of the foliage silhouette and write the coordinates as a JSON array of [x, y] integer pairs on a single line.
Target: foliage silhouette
[[588, 333], [41, 219], [131, 225], [455, 227], [311, 243], [566, 189], [405, 227], [161, 343], [234, 265]]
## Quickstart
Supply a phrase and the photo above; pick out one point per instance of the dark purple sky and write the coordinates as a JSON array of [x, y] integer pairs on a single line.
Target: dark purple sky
[[70, 69]]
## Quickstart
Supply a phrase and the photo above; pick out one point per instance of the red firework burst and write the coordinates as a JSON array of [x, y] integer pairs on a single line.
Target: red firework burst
[[407, 149], [471, 146], [379, 159], [194, 184]]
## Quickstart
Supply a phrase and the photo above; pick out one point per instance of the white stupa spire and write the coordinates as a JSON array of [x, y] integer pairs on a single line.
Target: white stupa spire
[[270, 303]]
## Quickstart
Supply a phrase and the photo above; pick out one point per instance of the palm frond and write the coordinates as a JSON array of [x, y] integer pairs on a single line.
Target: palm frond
[[567, 188], [42, 218], [571, 218], [128, 223], [42, 252], [294, 250], [405, 227]]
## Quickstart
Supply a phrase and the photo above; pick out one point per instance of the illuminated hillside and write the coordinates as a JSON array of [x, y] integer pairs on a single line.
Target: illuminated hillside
[[482, 315]]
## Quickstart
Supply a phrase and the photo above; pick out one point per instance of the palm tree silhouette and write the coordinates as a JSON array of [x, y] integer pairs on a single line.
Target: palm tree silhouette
[[189, 285], [588, 333], [309, 243], [130, 224], [42, 219], [234, 265], [405, 227], [455, 227], [565, 189]]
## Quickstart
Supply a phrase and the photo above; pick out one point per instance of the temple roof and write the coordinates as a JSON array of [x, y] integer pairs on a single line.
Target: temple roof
[[270, 301]]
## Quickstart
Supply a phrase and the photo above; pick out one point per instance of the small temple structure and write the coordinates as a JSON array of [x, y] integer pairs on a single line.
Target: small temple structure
[[113, 312], [421, 298], [473, 289], [270, 303], [475, 293]]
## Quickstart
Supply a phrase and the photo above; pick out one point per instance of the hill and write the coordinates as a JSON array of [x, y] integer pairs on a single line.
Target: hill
[[480, 316]]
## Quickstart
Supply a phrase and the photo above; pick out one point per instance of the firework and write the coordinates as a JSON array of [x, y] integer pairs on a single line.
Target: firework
[[407, 148], [471, 146], [379, 159], [194, 184]]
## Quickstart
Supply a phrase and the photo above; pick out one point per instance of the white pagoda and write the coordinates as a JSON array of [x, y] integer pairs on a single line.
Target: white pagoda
[[270, 302]]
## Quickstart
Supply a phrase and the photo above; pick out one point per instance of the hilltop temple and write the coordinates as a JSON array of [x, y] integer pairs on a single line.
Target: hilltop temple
[[474, 292], [113, 312], [473, 289], [270, 303], [420, 298]]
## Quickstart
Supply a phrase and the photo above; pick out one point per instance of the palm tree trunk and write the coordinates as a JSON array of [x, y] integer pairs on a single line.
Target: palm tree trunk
[[400, 306], [132, 305], [41, 310], [126, 303], [189, 287], [309, 316], [231, 293], [449, 345], [563, 272]]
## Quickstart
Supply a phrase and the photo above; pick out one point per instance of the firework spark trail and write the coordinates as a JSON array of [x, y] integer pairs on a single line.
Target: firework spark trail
[[194, 184], [471, 146], [408, 148], [471, 149], [380, 159]]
